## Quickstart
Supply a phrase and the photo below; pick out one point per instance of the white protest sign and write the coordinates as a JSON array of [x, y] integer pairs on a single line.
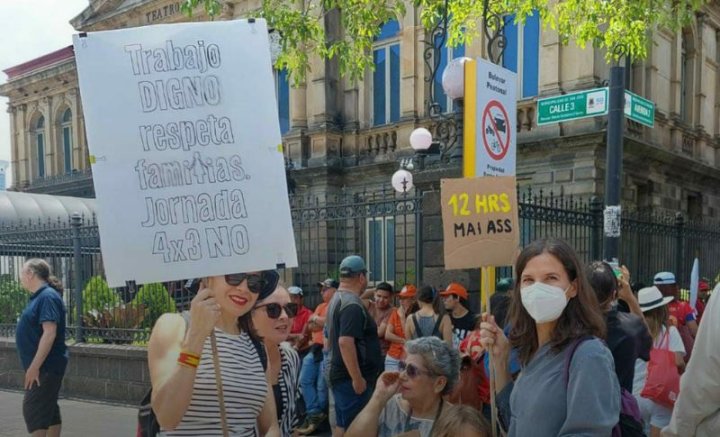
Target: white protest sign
[[496, 120], [184, 138]]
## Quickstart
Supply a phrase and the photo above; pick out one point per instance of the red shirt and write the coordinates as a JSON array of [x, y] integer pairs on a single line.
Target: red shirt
[[680, 313], [301, 320]]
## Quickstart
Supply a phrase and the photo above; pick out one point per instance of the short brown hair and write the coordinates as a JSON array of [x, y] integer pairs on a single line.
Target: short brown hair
[[451, 421], [581, 317]]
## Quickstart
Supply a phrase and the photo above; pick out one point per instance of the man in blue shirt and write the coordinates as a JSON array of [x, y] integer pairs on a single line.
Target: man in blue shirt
[[40, 342]]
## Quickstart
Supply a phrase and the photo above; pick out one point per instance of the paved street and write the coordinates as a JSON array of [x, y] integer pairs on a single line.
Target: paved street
[[80, 418]]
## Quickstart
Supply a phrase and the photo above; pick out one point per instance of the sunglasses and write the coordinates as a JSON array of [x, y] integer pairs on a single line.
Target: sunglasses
[[263, 283], [411, 370], [274, 310]]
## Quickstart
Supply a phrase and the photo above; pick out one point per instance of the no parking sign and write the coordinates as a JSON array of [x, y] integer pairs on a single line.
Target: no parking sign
[[491, 120]]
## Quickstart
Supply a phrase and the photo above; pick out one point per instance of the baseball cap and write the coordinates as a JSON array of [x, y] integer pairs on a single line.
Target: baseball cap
[[351, 266], [329, 283], [407, 291], [456, 289], [663, 278], [296, 291], [703, 285]]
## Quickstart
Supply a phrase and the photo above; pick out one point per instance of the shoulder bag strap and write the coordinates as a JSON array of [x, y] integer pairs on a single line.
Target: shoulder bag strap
[[218, 383]]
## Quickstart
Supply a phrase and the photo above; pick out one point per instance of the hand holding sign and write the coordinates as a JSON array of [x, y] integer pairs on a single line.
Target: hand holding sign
[[204, 313]]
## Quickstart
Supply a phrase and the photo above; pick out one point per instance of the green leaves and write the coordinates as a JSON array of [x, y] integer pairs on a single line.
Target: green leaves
[[345, 30]]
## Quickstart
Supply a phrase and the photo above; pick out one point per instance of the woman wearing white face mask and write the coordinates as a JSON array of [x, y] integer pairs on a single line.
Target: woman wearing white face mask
[[567, 385]]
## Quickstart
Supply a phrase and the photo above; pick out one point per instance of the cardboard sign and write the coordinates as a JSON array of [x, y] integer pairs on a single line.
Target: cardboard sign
[[480, 221], [184, 137]]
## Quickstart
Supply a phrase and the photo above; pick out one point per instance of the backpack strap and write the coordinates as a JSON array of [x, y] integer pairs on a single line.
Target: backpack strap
[[436, 328], [418, 332], [570, 353]]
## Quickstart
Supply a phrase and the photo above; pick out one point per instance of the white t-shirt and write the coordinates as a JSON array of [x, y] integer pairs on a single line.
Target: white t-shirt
[[675, 344]]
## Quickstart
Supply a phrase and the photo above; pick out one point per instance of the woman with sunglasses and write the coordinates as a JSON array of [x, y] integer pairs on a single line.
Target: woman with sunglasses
[[567, 385], [272, 318], [185, 395], [412, 399]]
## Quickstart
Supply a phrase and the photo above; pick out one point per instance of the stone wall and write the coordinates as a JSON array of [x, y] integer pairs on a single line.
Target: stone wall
[[103, 372]]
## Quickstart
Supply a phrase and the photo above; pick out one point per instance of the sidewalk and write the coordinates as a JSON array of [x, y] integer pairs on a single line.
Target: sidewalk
[[80, 418]]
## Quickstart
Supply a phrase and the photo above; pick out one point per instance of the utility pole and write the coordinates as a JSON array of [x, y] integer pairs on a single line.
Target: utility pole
[[614, 164]]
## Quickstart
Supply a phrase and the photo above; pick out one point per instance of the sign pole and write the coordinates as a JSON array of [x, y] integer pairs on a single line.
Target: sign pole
[[493, 405], [614, 164]]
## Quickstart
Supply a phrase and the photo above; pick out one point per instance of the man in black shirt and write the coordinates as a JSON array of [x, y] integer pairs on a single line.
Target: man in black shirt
[[354, 347], [455, 298]]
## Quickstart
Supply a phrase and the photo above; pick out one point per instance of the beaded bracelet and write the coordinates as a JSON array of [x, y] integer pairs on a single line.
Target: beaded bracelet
[[188, 359]]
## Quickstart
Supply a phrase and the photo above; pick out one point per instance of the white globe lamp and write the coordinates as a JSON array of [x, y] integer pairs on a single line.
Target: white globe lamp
[[402, 181], [420, 139], [453, 78]]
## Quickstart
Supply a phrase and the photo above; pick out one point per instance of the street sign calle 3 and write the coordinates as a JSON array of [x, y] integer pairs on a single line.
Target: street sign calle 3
[[573, 106], [592, 103]]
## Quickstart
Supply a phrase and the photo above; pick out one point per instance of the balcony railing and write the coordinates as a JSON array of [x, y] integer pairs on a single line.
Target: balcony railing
[[77, 176]]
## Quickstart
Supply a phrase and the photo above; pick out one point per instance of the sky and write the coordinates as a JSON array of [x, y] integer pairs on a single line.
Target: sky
[[31, 28]]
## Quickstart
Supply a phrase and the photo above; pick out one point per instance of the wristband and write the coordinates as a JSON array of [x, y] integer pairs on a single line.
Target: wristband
[[188, 359]]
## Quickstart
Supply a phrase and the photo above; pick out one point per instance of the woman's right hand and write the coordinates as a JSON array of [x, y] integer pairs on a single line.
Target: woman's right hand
[[494, 340], [387, 385], [204, 314]]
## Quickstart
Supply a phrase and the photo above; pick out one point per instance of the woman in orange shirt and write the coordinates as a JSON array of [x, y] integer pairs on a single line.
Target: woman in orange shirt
[[395, 332]]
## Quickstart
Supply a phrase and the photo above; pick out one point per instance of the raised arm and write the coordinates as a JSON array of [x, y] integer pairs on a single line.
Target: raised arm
[[172, 383]]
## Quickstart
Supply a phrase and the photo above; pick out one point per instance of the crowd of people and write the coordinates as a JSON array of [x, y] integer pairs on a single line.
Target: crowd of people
[[572, 349]]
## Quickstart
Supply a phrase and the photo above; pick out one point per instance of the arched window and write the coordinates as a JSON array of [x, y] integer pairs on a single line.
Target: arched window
[[386, 77], [40, 146], [66, 131]]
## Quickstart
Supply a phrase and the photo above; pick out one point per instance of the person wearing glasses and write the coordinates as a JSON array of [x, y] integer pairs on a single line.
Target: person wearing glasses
[[412, 399], [185, 395], [273, 318]]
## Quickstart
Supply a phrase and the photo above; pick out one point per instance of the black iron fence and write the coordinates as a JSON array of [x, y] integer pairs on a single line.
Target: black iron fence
[[384, 227]]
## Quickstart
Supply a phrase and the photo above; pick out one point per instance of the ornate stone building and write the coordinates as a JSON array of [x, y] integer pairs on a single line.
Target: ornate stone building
[[342, 134]]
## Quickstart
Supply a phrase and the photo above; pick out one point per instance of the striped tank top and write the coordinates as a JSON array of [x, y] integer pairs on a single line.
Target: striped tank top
[[244, 387]]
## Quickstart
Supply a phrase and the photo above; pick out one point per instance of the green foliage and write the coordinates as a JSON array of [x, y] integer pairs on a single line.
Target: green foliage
[[623, 27], [13, 299], [156, 299], [98, 296]]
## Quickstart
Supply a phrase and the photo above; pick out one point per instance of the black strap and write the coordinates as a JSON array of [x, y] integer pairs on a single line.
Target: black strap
[[418, 332], [260, 348], [436, 328]]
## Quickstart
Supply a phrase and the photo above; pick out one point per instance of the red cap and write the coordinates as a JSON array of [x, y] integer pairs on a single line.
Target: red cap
[[456, 289], [703, 285], [407, 291]]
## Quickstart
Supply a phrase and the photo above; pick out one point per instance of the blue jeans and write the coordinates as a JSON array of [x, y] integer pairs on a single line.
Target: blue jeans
[[348, 404], [313, 385]]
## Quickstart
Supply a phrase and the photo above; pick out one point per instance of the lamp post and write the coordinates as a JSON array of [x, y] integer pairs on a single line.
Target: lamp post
[[448, 126]]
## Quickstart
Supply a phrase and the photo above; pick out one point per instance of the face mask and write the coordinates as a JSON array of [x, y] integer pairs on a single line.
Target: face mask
[[544, 303]]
